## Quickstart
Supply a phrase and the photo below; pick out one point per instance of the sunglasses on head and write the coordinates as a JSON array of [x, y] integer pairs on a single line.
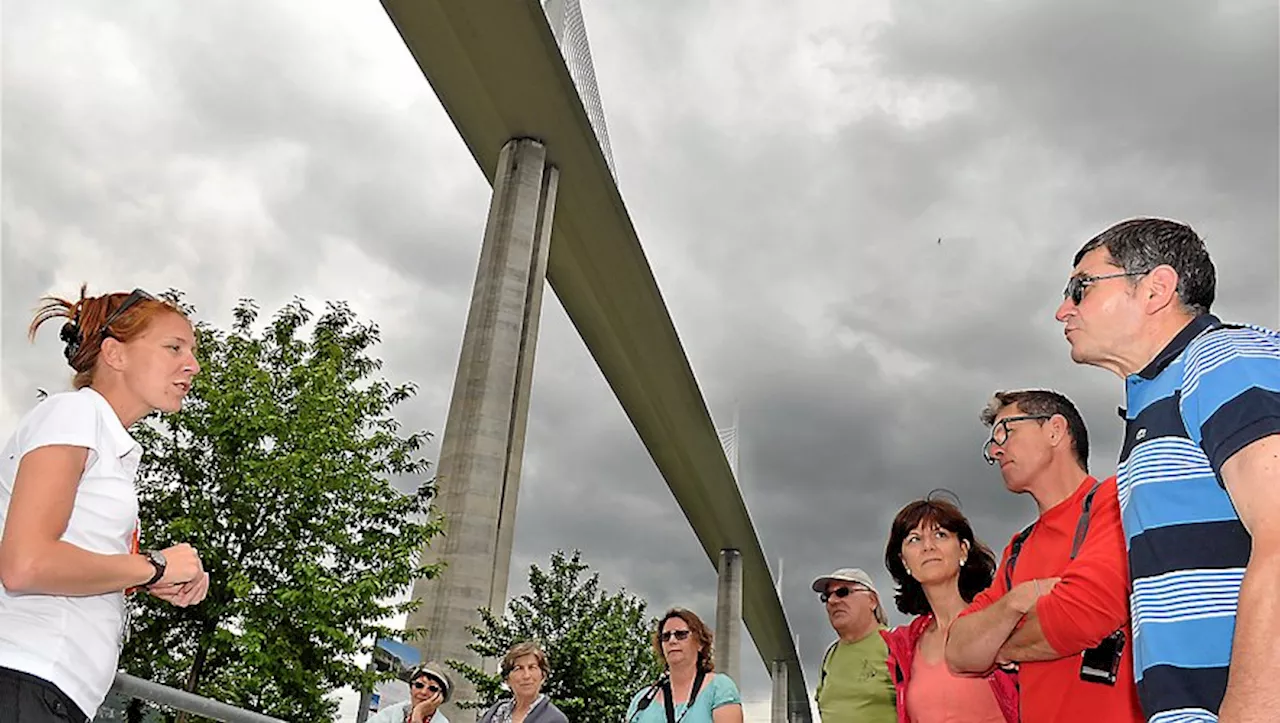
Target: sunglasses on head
[[74, 335], [838, 592], [677, 634], [138, 295], [419, 685]]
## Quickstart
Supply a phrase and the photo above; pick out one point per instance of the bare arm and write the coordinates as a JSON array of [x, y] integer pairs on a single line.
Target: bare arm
[[34, 558], [1252, 478], [1027, 644], [974, 640], [731, 713]]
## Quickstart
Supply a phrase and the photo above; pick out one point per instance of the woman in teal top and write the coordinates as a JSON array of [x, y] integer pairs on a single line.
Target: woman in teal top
[[696, 692]]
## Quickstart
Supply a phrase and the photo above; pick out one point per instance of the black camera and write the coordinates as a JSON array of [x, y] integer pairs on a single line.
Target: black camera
[[1101, 664]]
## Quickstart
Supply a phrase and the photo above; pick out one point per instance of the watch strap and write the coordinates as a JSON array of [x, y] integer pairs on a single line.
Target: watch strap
[[154, 559]]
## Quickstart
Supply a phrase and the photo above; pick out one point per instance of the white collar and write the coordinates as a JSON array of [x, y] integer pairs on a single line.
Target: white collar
[[122, 442]]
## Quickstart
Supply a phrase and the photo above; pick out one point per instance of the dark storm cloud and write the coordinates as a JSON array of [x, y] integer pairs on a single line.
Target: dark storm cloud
[[801, 263], [789, 167]]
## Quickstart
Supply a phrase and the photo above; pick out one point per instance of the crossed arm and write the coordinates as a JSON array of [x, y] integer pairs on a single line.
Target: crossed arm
[[1052, 618], [977, 642]]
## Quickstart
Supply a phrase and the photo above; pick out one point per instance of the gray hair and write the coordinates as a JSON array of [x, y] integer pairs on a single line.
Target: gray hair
[[1141, 244]]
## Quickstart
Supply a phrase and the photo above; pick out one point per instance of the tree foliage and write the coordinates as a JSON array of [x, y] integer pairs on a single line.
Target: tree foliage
[[279, 472], [598, 645]]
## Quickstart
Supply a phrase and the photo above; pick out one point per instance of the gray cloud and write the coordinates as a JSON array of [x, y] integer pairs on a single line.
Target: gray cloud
[[790, 168]]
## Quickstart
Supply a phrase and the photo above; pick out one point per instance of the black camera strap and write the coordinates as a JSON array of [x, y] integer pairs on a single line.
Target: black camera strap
[[1082, 531], [693, 695]]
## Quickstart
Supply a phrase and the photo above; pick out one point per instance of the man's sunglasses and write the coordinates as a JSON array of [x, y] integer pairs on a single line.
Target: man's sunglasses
[[419, 685], [677, 634], [1077, 284], [838, 592]]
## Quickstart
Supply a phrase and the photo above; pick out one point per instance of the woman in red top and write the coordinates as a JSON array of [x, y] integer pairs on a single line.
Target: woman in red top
[[939, 567]]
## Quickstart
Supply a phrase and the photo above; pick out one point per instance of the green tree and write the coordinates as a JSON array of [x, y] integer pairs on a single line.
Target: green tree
[[598, 645], [279, 471]]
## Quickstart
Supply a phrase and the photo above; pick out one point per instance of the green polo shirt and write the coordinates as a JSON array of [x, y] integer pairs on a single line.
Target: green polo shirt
[[855, 683]]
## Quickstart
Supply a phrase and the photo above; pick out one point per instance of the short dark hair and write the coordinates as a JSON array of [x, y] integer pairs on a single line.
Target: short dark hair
[[699, 631], [976, 574], [1141, 244], [1044, 401]]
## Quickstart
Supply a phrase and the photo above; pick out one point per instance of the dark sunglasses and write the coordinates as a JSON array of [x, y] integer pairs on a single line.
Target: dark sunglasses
[[419, 685], [137, 296], [838, 592], [74, 335], [677, 634], [1000, 433], [1077, 284]]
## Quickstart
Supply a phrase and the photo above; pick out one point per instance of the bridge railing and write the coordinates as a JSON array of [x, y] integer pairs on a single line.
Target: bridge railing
[[128, 687]]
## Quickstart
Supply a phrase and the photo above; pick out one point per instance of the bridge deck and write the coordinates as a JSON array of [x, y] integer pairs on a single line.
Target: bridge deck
[[497, 70]]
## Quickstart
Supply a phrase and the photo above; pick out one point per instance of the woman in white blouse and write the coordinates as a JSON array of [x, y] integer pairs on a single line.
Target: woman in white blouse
[[69, 527]]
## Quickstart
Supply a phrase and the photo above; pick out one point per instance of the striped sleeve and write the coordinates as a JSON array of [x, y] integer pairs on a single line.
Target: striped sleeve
[[1231, 391]]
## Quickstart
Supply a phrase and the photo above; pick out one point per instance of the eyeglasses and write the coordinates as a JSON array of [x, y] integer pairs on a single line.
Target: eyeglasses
[[130, 300], [667, 635], [1000, 433], [419, 685], [839, 592], [1077, 284]]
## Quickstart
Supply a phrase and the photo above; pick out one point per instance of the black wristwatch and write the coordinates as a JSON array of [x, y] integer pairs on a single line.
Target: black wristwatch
[[156, 558]]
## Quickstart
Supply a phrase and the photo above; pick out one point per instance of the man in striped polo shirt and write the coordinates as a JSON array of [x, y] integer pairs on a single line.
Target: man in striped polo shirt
[[1199, 475]]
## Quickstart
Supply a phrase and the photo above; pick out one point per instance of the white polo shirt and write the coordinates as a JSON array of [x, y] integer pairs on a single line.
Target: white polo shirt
[[74, 642]]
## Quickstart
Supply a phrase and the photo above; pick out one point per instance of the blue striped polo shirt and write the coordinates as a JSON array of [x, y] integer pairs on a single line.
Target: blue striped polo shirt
[[1212, 391]]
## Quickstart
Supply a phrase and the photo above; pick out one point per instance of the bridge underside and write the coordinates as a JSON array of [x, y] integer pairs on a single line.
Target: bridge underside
[[499, 73]]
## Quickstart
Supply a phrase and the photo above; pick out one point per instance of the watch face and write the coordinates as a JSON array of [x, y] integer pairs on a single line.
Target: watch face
[[157, 557]]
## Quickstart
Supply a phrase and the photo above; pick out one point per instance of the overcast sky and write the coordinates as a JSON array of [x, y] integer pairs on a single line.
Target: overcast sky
[[789, 167]]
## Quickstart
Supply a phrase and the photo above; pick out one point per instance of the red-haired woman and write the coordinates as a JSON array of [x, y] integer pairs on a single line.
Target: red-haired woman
[[939, 566], [69, 526]]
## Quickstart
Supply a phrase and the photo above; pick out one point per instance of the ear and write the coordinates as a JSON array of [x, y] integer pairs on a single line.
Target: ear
[[1159, 288], [1057, 425], [112, 353], [964, 549]]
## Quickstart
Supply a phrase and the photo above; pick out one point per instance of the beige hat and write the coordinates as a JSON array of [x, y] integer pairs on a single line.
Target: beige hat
[[845, 574], [433, 670], [854, 575]]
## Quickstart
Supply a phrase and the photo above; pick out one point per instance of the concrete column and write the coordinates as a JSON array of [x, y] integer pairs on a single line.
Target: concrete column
[[728, 640], [478, 473], [778, 703]]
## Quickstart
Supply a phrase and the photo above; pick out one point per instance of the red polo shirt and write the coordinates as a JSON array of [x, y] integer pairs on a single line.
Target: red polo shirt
[[1088, 604]]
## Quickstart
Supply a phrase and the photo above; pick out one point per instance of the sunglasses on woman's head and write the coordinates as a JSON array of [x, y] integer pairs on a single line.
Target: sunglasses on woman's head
[[137, 296], [677, 634]]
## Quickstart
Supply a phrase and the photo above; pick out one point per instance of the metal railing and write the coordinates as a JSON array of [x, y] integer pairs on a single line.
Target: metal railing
[[133, 687]]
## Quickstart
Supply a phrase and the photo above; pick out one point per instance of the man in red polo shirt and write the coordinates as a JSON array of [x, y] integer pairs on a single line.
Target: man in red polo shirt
[[1059, 604]]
